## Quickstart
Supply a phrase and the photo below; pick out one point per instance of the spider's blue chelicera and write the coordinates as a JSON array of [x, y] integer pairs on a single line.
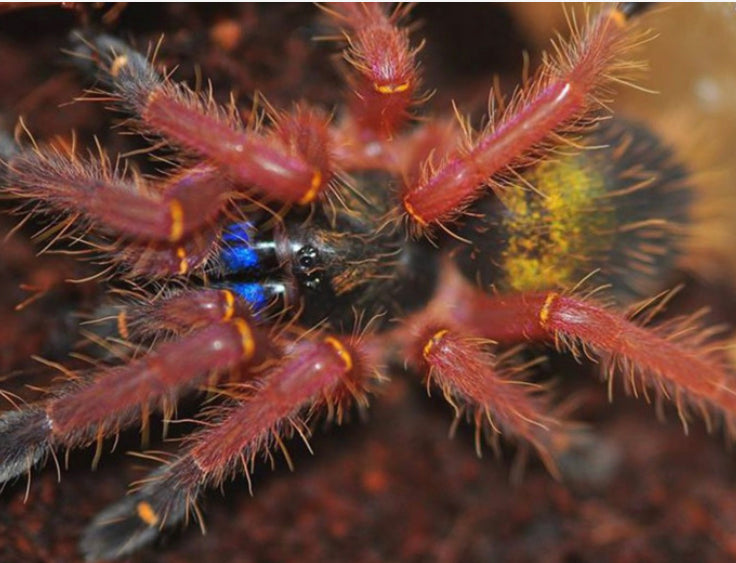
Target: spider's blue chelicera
[[331, 265]]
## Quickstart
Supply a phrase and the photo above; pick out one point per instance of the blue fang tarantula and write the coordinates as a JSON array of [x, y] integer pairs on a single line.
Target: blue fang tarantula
[[296, 258]]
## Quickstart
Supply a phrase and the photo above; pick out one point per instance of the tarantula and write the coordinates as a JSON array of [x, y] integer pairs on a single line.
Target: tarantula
[[287, 264]]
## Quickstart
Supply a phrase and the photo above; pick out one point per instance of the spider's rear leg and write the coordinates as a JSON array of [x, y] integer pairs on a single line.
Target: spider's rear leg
[[490, 390], [104, 401], [291, 163], [680, 360], [564, 98], [314, 375], [386, 76]]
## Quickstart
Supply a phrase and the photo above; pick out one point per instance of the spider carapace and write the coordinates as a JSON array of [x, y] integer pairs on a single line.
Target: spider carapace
[[289, 265], [331, 262]]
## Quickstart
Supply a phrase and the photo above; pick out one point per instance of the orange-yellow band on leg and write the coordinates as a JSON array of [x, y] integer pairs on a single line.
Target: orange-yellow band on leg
[[342, 352], [147, 513], [176, 212], [246, 337]]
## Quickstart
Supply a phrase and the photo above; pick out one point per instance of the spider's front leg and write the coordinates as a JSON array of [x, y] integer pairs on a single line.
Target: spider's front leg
[[291, 163], [166, 211], [104, 401], [170, 226], [313, 375]]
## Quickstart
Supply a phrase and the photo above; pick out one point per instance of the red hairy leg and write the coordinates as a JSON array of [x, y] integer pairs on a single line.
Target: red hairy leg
[[471, 379], [291, 163], [162, 258], [104, 402], [557, 101], [180, 313], [164, 228], [315, 375], [386, 77], [676, 360], [384, 88], [403, 156], [101, 405], [183, 203]]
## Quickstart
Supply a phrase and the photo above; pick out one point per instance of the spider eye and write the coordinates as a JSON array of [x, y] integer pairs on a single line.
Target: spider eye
[[308, 268], [307, 257]]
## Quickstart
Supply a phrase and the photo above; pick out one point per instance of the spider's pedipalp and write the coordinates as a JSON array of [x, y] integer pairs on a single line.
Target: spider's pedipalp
[[179, 313]]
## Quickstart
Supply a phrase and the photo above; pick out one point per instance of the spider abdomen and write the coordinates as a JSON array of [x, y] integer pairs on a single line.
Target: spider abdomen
[[616, 210]]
